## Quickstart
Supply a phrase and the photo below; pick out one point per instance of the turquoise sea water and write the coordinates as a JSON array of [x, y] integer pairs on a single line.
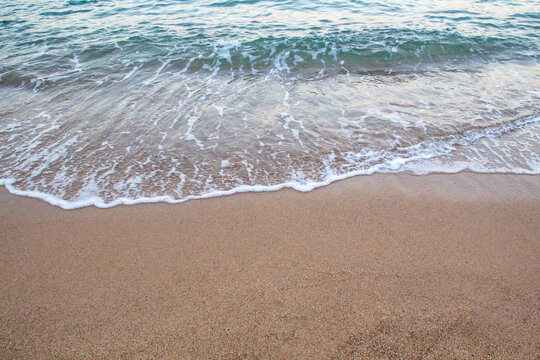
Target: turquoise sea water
[[107, 102]]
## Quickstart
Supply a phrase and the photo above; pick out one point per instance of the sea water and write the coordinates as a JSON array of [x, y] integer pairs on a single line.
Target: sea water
[[107, 102]]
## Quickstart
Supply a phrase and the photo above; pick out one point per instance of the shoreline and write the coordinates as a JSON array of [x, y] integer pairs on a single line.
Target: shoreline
[[166, 199], [377, 266]]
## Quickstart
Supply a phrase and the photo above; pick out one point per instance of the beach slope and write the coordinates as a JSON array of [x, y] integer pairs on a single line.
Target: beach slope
[[383, 266]]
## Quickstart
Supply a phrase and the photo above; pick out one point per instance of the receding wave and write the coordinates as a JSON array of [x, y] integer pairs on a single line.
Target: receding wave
[[411, 158], [105, 103]]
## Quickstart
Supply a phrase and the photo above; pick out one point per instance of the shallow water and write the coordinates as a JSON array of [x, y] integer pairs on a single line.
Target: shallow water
[[122, 102]]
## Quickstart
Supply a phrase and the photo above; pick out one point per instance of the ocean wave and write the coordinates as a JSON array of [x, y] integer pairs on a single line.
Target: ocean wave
[[128, 102], [425, 157], [374, 52], [381, 49]]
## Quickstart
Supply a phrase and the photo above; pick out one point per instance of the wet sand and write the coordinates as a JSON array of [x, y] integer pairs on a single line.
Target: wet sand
[[374, 267]]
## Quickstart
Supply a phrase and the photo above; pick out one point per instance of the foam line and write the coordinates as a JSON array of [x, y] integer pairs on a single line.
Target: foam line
[[302, 187]]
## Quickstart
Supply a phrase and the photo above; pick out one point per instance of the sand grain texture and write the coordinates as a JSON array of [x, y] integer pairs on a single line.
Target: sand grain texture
[[375, 267]]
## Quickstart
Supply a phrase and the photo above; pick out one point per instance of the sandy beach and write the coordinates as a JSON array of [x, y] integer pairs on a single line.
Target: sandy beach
[[374, 267]]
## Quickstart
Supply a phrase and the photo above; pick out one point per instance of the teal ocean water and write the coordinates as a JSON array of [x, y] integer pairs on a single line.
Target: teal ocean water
[[108, 102]]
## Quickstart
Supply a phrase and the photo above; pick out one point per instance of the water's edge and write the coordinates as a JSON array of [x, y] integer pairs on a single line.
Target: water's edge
[[107, 103], [99, 203]]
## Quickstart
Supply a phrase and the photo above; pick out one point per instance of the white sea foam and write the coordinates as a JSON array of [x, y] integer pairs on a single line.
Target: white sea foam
[[393, 166], [197, 136], [421, 159], [170, 110]]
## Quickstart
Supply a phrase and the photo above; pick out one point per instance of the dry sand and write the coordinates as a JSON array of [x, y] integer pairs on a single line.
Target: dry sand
[[383, 266]]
